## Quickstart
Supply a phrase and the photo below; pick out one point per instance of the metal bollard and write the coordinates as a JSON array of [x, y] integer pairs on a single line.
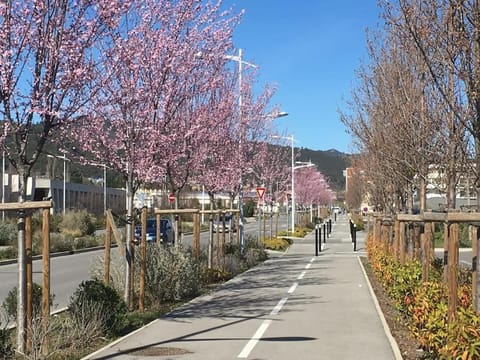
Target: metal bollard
[[320, 235], [324, 232], [354, 237], [316, 240], [329, 226]]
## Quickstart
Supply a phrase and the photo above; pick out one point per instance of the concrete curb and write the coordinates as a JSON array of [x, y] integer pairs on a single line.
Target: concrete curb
[[393, 343], [57, 254]]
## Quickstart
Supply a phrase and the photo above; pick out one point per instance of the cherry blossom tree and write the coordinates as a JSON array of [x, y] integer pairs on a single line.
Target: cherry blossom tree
[[156, 93], [46, 51], [311, 187], [272, 168]]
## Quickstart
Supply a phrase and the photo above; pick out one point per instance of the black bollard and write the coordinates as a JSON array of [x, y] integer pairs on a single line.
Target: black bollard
[[351, 228], [324, 232], [354, 237], [316, 240], [329, 226], [320, 235], [335, 215]]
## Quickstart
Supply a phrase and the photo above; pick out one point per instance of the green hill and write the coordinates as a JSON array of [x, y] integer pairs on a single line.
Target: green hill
[[330, 163]]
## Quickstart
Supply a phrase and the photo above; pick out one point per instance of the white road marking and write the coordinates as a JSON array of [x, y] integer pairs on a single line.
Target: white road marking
[[292, 288], [266, 323], [254, 340], [279, 306]]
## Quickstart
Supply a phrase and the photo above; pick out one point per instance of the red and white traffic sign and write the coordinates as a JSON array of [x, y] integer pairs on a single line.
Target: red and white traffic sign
[[260, 192], [171, 198]]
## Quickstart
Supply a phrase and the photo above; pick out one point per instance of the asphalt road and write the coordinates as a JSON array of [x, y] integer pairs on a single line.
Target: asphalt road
[[68, 271]]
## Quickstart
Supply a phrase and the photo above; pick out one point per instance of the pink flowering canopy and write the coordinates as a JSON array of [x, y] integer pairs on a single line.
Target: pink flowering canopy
[[311, 187], [46, 67], [155, 94]]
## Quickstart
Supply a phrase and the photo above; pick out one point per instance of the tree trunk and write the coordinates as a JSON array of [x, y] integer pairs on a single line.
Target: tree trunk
[[22, 264], [128, 236]]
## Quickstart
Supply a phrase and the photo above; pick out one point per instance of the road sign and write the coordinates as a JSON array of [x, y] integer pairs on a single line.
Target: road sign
[[171, 198], [260, 192]]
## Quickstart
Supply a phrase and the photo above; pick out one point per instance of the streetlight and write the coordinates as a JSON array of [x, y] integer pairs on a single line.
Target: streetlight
[[65, 159], [104, 184], [241, 62], [301, 165], [292, 140]]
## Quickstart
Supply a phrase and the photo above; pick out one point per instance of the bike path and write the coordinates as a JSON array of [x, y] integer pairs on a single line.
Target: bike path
[[294, 306]]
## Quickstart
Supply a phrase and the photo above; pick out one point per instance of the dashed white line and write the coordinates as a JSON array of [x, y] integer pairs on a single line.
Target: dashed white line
[[292, 288], [266, 323], [254, 340], [279, 306]]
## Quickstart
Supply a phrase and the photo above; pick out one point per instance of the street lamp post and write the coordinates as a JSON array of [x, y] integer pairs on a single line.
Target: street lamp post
[[241, 62], [293, 184], [65, 159], [292, 140]]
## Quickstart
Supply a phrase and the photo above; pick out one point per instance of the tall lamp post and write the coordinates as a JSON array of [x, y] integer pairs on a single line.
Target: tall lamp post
[[292, 140], [241, 62], [65, 159]]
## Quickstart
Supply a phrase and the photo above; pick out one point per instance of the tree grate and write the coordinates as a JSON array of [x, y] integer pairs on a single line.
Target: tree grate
[[160, 351]]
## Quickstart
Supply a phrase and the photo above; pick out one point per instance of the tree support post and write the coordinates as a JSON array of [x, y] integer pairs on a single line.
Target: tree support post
[[143, 259], [46, 277]]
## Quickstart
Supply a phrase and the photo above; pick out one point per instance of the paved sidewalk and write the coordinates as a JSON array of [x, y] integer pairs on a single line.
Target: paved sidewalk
[[294, 306]]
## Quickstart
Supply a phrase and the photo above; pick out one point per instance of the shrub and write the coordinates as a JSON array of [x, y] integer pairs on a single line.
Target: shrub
[[77, 223], [8, 253], [87, 242], [248, 208], [278, 244], [8, 233], [60, 243], [171, 274], [99, 298], [424, 306], [6, 344], [10, 302], [214, 276], [37, 221]]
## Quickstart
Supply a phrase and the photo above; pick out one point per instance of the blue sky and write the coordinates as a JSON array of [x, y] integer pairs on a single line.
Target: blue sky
[[310, 51]]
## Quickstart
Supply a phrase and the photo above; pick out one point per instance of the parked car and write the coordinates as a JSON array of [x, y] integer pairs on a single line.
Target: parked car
[[167, 234], [229, 224]]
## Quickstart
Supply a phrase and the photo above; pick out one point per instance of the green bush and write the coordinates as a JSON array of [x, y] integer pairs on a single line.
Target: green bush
[[249, 208], [214, 276], [94, 294], [424, 306], [10, 302], [77, 223], [8, 233], [171, 274], [87, 242], [8, 253], [37, 222], [60, 243], [6, 345]]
